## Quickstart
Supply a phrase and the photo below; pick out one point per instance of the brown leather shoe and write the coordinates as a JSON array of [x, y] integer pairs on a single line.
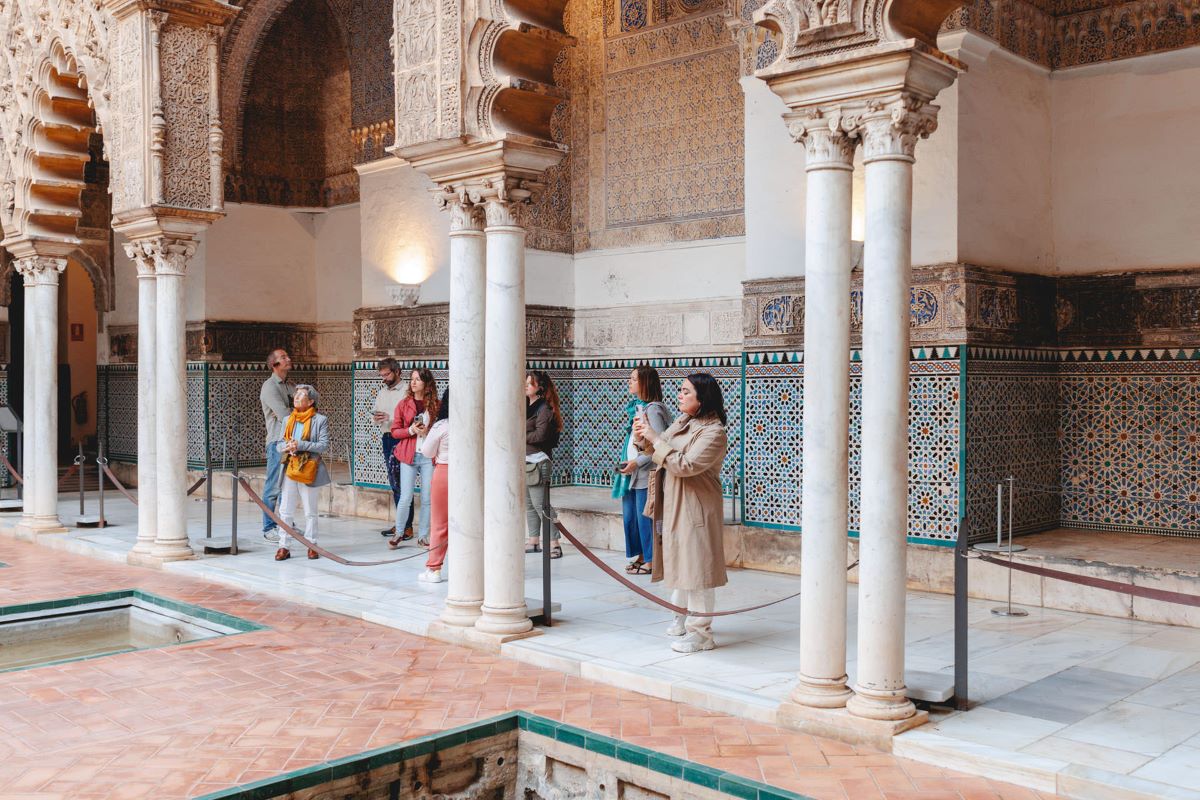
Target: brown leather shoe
[[408, 534], [313, 555], [282, 554]]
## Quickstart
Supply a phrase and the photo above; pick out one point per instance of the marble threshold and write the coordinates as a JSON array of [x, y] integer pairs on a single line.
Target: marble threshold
[[1078, 704]]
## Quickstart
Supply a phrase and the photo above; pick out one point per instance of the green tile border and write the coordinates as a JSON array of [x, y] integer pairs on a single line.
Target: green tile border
[[682, 769], [238, 624]]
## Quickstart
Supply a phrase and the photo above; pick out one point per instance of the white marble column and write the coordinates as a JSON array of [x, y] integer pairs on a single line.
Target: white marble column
[[29, 419], [468, 288], [827, 262], [41, 276], [889, 139], [171, 255], [503, 611], [147, 466]]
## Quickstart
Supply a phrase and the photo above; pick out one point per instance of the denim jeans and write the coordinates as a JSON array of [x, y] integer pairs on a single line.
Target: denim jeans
[[639, 529], [392, 467], [423, 467], [271, 485]]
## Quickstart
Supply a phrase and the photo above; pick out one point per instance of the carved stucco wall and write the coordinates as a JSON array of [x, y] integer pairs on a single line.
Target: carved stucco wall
[[654, 127]]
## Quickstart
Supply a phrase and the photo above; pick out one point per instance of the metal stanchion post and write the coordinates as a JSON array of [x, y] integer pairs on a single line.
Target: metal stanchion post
[[101, 463], [1007, 610], [80, 460], [208, 493], [233, 516], [84, 520], [20, 465], [547, 530]]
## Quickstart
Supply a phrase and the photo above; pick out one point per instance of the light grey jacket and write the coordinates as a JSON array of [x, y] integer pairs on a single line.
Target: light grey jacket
[[660, 420], [316, 444]]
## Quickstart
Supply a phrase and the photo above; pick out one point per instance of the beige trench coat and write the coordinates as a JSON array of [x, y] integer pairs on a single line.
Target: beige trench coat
[[685, 496]]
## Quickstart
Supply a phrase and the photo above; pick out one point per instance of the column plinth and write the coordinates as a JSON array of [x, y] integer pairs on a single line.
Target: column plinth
[[503, 612]]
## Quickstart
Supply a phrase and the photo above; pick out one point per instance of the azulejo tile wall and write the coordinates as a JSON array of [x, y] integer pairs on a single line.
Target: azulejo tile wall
[[774, 413], [1130, 434]]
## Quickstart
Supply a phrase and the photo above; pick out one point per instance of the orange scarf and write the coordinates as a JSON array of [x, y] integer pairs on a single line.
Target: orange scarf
[[303, 417]]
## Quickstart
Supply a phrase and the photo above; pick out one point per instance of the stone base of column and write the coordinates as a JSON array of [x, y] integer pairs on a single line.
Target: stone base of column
[[30, 529], [503, 621], [885, 706], [475, 638], [840, 724], [157, 557], [821, 692], [460, 615]]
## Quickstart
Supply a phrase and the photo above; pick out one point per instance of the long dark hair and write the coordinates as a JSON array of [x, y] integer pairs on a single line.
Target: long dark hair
[[444, 408], [430, 396], [708, 392], [649, 385], [548, 392]]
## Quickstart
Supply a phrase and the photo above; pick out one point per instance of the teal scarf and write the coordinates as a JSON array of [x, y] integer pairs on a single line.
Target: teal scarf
[[622, 482]]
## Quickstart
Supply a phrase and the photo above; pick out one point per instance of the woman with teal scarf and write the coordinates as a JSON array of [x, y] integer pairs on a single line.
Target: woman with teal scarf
[[633, 472]]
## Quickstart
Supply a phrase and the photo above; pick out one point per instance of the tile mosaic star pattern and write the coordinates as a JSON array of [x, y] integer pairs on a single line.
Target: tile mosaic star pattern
[[774, 443], [187, 720]]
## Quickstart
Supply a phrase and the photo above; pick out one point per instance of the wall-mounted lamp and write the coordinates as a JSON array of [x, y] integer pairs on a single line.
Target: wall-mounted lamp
[[404, 294]]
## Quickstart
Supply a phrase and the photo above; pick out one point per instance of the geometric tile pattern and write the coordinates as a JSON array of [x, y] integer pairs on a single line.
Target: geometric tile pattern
[[1130, 435], [774, 442], [1012, 430]]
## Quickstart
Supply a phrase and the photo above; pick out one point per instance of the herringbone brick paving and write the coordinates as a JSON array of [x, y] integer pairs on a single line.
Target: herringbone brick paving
[[185, 720]]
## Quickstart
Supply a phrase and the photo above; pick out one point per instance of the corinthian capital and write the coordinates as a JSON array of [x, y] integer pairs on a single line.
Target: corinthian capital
[[890, 129], [143, 260], [499, 197], [40, 270], [829, 137], [170, 254], [465, 215]]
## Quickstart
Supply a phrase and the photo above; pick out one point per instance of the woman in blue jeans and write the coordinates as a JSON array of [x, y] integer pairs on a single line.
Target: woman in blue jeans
[[633, 473], [410, 423]]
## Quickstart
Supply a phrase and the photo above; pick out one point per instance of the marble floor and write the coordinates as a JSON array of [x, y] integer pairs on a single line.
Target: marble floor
[[1061, 701]]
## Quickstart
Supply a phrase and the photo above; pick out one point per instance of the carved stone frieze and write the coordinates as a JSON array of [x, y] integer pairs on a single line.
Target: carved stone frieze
[[422, 332], [711, 326]]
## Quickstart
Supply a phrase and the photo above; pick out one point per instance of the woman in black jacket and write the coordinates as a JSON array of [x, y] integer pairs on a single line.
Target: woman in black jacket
[[543, 426]]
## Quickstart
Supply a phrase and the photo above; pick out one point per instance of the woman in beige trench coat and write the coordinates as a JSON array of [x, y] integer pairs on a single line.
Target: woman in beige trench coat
[[686, 488]]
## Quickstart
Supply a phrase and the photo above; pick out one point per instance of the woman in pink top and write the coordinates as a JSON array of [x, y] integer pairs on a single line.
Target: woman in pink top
[[437, 448]]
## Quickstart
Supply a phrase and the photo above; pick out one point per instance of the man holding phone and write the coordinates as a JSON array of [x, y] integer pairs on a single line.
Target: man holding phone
[[389, 396]]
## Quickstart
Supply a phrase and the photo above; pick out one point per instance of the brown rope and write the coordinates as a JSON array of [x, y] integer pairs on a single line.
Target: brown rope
[[11, 469], [313, 545], [196, 485], [120, 486], [67, 475], [1162, 595], [612, 573]]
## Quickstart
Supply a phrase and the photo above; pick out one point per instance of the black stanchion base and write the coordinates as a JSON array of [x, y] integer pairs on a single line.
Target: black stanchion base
[[218, 546], [90, 522], [534, 607]]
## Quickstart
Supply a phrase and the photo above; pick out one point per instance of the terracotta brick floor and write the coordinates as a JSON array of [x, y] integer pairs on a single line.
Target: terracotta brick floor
[[190, 719]]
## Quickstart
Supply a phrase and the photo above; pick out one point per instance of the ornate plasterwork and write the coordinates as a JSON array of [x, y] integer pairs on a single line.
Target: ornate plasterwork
[[188, 179], [427, 60], [38, 270]]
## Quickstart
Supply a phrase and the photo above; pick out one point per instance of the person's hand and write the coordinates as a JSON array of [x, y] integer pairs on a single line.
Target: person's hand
[[629, 467], [378, 416]]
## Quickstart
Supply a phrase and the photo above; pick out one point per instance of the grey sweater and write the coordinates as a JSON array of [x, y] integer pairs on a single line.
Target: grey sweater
[[660, 420]]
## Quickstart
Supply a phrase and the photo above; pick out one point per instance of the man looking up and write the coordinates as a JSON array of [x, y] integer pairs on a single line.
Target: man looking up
[[276, 398]]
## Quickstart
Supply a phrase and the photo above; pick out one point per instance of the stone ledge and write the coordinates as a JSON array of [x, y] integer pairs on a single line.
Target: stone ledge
[[840, 724]]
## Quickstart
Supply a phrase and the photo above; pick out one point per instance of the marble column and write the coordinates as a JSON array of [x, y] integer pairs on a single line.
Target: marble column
[[503, 612], [41, 277], [147, 354], [171, 255], [889, 139], [827, 263], [29, 419], [468, 287]]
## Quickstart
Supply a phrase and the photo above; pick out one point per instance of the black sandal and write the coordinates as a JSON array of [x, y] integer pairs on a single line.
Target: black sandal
[[533, 548], [643, 569], [633, 566], [556, 552]]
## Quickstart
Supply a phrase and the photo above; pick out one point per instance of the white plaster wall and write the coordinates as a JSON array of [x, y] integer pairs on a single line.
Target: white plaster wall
[[1126, 163], [995, 126], [405, 238], [125, 285], [709, 269], [337, 259], [259, 265], [774, 186]]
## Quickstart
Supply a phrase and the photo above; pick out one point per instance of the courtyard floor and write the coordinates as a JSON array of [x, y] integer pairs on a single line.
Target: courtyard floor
[[1060, 698]]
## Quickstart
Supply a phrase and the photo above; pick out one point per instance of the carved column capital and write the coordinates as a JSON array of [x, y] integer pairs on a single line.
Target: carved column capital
[[170, 254], [142, 260], [39, 270], [891, 128], [499, 197], [829, 136], [465, 215]]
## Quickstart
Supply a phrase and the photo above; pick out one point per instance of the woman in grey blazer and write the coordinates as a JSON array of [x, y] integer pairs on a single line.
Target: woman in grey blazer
[[305, 438]]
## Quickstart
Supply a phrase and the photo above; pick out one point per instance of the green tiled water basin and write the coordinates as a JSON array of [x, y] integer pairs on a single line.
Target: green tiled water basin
[[517, 756], [90, 626]]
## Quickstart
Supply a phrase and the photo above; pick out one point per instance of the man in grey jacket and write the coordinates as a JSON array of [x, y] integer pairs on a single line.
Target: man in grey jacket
[[276, 398]]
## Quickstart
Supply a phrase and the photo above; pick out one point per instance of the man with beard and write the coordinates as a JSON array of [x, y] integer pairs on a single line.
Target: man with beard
[[390, 394]]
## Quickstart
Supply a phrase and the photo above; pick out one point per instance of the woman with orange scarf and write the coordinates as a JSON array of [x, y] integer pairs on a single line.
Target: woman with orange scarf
[[305, 440]]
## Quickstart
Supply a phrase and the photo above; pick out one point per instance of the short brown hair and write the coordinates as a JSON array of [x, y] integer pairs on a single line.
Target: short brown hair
[[649, 385]]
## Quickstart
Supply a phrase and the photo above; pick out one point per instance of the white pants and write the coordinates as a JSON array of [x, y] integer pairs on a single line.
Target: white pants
[[287, 505], [696, 600]]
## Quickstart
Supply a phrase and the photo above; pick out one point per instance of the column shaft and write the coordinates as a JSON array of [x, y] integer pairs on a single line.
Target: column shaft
[[171, 540], [45, 405], [29, 440], [503, 611], [147, 467], [468, 288], [827, 263], [887, 271]]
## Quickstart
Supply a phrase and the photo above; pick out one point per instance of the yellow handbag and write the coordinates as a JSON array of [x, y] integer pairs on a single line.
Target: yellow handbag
[[302, 468]]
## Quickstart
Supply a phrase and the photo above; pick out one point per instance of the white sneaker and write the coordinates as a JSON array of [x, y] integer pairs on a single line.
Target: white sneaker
[[430, 576], [676, 628], [693, 643]]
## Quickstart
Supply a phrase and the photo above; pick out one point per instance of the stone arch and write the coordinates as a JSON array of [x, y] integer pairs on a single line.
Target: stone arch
[[240, 52], [920, 19]]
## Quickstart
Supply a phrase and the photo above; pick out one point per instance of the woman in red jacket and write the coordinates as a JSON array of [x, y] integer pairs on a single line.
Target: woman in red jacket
[[410, 422]]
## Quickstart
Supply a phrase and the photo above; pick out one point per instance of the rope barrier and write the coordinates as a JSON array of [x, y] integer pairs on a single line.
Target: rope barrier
[[612, 573], [1162, 595], [313, 545], [196, 485], [117, 483], [67, 475], [11, 469]]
